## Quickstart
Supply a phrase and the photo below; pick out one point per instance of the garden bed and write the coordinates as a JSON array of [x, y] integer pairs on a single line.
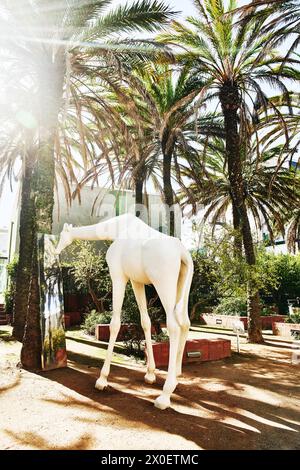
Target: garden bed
[[226, 321], [285, 329], [102, 332], [197, 350]]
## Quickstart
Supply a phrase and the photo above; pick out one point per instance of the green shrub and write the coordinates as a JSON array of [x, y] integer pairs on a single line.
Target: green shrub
[[9, 293], [204, 292], [133, 340], [161, 337], [9, 299], [130, 311], [266, 310], [131, 316], [288, 272], [238, 306], [88, 273], [95, 318], [221, 272], [232, 306], [294, 317]]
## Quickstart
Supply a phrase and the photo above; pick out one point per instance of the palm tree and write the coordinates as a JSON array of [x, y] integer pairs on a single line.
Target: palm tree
[[18, 145], [127, 139], [293, 232], [57, 33], [170, 95], [145, 120], [268, 200], [49, 42], [230, 57], [293, 218], [280, 17]]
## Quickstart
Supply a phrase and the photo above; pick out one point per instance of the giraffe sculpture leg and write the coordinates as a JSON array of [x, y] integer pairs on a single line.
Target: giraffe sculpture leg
[[184, 331], [119, 285], [167, 294], [182, 315], [139, 292]]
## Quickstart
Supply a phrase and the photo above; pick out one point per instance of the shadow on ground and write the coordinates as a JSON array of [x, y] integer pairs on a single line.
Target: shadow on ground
[[248, 401], [230, 404]]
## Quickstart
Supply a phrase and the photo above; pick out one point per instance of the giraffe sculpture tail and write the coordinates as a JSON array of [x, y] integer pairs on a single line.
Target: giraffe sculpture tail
[[184, 284]]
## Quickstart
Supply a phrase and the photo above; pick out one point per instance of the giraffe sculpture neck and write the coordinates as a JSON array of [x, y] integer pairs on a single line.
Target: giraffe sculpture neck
[[88, 232], [123, 226], [107, 230]]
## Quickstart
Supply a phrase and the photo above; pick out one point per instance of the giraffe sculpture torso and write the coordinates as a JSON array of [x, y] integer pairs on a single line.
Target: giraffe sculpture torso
[[144, 256]]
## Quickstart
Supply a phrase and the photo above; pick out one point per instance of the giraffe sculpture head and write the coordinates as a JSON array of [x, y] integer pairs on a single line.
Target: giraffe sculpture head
[[65, 238]]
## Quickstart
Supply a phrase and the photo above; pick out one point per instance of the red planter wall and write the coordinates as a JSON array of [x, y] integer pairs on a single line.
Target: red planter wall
[[226, 321], [268, 321], [102, 332], [284, 329], [72, 318], [210, 349], [67, 320]]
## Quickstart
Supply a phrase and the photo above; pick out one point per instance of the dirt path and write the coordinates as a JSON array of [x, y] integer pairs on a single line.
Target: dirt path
[[250, 401]]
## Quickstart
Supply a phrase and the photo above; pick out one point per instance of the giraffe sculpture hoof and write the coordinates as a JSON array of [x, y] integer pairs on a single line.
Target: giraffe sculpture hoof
[[101, 384], [162, 402], [150, 378]]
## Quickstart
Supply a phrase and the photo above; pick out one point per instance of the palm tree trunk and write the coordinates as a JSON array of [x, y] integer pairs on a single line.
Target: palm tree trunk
[[26, 231], [230, 98], [168, 190], [138, 189], [168, 145], [139, 181], [238, 242], [31, 352], [43, 199], [44, 196]]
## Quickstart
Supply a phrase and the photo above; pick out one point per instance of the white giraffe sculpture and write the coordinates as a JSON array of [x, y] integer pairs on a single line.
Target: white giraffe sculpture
[[143, 256]]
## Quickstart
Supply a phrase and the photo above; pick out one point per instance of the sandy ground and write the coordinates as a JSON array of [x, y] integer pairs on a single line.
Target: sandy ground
[[249, 401]]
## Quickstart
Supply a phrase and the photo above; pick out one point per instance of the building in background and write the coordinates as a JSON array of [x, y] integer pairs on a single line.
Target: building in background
[[4, 252]]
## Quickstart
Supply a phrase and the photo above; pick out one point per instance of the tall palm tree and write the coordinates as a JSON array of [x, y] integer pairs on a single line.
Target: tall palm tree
[[46, 39], [51, 36], [268, 200], [148, 117], [231, 58], [281, 17], [293, 232], [127, 139], [171, 95]]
